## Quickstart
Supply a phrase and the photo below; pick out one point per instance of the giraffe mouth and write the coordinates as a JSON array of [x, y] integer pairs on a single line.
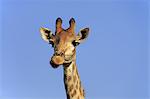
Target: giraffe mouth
[[56, 61], [53, 64]]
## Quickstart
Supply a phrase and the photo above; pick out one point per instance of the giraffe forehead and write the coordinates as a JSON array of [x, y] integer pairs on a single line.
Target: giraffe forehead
[[64, 42], [66, 36]]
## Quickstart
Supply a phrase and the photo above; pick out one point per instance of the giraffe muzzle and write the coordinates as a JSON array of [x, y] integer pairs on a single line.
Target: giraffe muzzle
[[56, 61]]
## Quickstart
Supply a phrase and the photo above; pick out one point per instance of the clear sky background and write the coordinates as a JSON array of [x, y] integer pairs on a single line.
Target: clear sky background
[[112, 62]]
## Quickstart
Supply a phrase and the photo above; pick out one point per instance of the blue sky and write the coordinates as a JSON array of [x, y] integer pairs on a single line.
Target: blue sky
[[112, 62]]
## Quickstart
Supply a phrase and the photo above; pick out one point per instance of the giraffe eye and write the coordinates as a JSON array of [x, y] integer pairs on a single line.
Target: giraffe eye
[[75, 43]]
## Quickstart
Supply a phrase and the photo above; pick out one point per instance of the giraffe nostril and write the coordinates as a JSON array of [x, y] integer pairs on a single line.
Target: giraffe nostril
[[61, 54], [58, 54]]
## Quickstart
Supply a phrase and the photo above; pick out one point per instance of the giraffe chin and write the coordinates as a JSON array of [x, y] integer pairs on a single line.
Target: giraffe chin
[[53, 64]]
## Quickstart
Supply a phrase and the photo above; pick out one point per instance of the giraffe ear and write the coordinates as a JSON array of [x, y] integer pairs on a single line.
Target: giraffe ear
[[46, 34], [81, 36]]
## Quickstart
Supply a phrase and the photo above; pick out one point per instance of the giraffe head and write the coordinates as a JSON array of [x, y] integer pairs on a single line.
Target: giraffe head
[[64, 42]]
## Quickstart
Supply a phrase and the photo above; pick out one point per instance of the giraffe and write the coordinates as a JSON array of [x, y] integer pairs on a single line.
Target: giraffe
[[64, 42]]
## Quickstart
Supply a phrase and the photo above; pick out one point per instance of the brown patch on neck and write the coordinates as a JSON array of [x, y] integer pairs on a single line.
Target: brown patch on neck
[[74, 78], [77, 85], [70, 88], [74, 93]]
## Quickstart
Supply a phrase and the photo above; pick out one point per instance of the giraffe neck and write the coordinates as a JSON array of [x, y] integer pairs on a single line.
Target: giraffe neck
[[72, 82]]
